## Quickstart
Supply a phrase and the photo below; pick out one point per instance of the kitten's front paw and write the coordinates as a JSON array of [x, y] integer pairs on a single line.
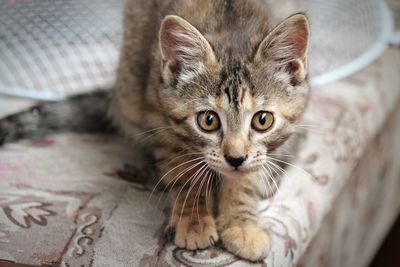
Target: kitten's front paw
[[246, 241], [192, 233]]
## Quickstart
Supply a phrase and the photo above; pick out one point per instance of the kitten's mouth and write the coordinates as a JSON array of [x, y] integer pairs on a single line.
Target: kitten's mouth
[[236, 172], [233, 172]]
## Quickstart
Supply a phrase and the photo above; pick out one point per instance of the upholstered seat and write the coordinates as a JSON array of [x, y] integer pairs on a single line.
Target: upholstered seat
[[65, 200]]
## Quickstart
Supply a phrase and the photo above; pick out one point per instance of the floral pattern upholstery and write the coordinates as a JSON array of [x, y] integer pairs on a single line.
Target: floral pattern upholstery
[[63, 202]]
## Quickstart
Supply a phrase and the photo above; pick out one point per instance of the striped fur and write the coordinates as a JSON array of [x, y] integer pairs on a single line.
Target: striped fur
[[186, 56], [82, 114]]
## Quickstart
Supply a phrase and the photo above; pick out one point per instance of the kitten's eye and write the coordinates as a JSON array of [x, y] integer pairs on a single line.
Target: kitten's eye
[[208, 121], [262, 121]]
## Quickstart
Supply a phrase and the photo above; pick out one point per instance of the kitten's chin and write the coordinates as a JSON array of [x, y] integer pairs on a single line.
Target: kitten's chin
[[237, 174]]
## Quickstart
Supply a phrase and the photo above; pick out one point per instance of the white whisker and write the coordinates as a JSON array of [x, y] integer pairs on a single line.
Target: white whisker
[[282, 170], [198, 193], [177, 157], [150, 131], [194, 181], [272, 177], [292, 165], [266, 178], [161, 179], [180, 191], [263, 180], [179, 175]]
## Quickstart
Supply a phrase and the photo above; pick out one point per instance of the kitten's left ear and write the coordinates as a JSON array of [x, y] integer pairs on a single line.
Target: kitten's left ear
[[287, 46], [183, 48]]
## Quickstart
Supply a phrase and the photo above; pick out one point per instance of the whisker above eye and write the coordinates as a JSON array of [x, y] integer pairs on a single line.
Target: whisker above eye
[[199, 85], [191, 101]]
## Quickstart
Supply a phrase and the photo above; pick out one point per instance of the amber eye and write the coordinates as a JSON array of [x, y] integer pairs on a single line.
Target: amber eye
[[262, 121], [208, 121]]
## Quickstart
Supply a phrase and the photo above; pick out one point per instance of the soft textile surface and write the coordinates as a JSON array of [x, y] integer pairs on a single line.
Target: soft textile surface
[[365, 208], [62, 200]]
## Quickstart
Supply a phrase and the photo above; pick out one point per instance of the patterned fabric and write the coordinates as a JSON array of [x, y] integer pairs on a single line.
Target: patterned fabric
[[62, 201], [365, 208]]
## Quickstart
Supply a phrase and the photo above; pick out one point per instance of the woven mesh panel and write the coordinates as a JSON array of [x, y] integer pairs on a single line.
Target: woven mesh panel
[[343, 31], [53, 48]]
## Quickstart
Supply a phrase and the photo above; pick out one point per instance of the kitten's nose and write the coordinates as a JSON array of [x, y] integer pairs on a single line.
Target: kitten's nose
[[235, 162]]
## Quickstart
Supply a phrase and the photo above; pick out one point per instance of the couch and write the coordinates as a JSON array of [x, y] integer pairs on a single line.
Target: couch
[[74, 200]]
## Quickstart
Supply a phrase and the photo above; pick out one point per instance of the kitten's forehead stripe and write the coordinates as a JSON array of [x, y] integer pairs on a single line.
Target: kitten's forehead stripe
[[235, 86], [218, 102], [232, 79]]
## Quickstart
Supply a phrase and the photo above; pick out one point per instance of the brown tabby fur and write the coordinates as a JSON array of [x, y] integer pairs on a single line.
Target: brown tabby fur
[[233, 65]]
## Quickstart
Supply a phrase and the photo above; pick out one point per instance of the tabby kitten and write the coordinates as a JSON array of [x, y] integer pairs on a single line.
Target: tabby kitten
[[216, 92]]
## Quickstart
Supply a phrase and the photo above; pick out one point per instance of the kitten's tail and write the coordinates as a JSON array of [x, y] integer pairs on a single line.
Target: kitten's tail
[[86, 113]]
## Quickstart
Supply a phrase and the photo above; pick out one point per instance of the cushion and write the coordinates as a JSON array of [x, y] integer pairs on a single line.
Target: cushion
[[62, 199]]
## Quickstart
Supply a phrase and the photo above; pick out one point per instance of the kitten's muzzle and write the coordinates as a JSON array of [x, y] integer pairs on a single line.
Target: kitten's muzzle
[[235, 161]]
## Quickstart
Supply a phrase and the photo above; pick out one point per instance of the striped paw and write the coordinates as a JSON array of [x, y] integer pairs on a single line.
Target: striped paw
[[192, 233]]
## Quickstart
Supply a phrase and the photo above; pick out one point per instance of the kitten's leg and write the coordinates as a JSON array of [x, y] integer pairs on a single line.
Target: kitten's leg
[[191, 217], [237, 221]]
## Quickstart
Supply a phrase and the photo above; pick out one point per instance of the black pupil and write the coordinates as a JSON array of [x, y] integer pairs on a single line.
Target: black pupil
[[209, 120], [262, 119]]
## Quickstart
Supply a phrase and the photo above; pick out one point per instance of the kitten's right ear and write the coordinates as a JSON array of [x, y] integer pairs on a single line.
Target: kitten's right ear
[[183, 48], [287, 46]]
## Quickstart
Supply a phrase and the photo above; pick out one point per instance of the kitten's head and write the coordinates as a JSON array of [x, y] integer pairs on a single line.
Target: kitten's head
[[234, 104]]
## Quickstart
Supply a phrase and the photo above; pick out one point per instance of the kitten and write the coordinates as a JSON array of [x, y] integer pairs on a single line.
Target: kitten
[[224, 91], [218, 92]]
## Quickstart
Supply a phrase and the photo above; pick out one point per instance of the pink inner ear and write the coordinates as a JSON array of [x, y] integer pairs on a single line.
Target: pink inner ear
[[288, 41], [180, 41], [298, 39], [168, 41], [294, 66], [177, 40]]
